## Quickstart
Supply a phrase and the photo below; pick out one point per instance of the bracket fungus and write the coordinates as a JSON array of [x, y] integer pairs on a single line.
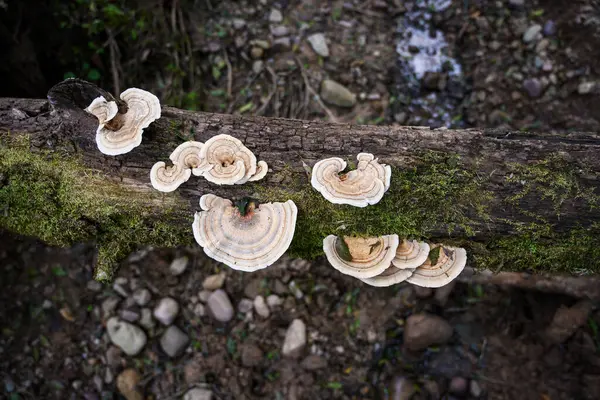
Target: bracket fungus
[[442, 266], [103, 109], [410, 254], [185, 157], [245, 236], [226, 161], [360, 257], [360, 187], [389, 277], [123, 132]]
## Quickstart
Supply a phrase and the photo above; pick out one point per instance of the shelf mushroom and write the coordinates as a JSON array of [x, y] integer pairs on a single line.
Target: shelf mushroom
[[185, 157], [360, 187], [103, 110], [244, 236], [226, 161], [123, 132], [389, 277], [442, 266], [410, 254], [360, 257]]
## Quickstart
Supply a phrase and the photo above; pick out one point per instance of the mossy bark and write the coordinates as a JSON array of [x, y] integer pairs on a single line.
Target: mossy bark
[[516, 201]]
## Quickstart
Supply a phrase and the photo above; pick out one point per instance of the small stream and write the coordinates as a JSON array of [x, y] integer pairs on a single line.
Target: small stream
[[429, 81]]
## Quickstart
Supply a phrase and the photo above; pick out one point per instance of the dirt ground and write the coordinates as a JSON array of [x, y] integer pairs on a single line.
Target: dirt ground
[[511, 64]]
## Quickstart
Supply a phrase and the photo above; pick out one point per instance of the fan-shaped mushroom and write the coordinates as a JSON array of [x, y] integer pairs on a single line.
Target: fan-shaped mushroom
[[443, 264], [389, 277], [103, 110], [184, 157], [360, 257], [247, 237], [410, 254], [360, 187], [226, 161], [123, 132]]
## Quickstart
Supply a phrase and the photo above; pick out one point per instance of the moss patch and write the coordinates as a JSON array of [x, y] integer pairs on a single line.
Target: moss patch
[[60, 201]]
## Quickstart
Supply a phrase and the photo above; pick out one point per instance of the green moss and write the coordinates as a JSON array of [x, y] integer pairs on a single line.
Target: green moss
[[61, 202]]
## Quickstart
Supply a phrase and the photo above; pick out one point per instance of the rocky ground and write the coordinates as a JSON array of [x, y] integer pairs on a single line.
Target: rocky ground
[[175, 324]]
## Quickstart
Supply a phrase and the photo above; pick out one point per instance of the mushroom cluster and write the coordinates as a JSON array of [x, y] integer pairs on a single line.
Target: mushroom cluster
[[245, 236], [185, 158], [361, 187], [119, 133], [385, 261]]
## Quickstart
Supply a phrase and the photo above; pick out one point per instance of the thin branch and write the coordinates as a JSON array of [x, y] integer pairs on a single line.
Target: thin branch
[[316, 96], [114, 66], [229, 73], [271, 93]]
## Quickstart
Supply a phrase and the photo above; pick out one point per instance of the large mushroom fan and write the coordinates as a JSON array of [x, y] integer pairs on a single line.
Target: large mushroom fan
[[244, 242]]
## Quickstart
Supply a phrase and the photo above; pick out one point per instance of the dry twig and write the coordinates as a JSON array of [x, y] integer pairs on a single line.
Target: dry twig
[[114, 66], [271, 93], [229, 73], [316, 96]]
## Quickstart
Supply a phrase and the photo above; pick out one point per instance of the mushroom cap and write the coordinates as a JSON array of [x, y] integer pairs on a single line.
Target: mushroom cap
[[246, 243], [450, 263], [360, 187], [410, 254], [168, 178], [226, 161], [102, 109], [389, 277], [187, 154], [261, 171], [369, 256], [142, 109]]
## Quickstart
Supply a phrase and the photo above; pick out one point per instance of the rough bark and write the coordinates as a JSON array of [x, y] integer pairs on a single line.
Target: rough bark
[[539, 186]]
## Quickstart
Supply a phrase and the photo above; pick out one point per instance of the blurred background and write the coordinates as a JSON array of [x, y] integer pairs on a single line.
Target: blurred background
[[508, 64]]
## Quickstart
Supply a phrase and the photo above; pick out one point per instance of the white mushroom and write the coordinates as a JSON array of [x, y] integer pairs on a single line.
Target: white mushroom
[[410, 254], [103, 110], [261, 171], [184, 157], [360, 257], [360, 187], [123, 133], [389, 277], [246, 240], [447, 263]]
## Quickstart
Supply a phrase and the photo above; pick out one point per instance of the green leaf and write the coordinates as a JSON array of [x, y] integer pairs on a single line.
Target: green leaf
[[217, 93], [231, 346], [434, 255], [216, 72], [341, 247], [334, 385], [68, 75], [246, 107], [93, 75], [58, 271]]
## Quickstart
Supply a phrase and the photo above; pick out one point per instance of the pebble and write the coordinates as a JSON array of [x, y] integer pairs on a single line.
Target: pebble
[[109, 305], [318, 43], [142, 297], [129, 337], [253, 288], [533, 87], [119, 286], [261, 307], [258, 66], [274, 301], [94, 286], [295, 339], [252, 355], [146, 320], [238, 23], [516, 3], [458, 385], [198, 394], [214, 282], [173, 341], [108, 376], [76, 385], [336, 94], [282, 44], [475, 389], [567, 320], [178, 265], [127, 383], [280, 30], [402, 388], [532, 33], [313, 362], [129, 315], [423, 330], [47, 304], [220, 306], [549, 28], [245, 305], [275, 16], [256, 52], [199, 310], [586, 87], [204, 295], [113, 356], [166, 310]]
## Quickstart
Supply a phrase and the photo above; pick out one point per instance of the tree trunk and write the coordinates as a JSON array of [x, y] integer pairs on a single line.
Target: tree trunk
[[516, 201]]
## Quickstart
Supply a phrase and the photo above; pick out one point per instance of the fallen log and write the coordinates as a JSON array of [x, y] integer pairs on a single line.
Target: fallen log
[[517, 201]]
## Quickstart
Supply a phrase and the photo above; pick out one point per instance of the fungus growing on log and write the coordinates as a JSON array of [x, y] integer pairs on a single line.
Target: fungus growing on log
[[245, 236], [123, 132], [226, 161], [103, 109], [360, 187], [360, 257], [389, 277], [185, 157], [410, 254], [442, 266]]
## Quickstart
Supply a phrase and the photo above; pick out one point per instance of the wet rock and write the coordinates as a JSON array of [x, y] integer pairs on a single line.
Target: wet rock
[[130, 338], [94, 286], [567, 321], [424, 330], [220, 306], [533, 87], [274, 301], [280, 30], [166, 310], [458, 386], [295, 339], [109, 305], [146, 320], [252, 355], [127, 383], [336, 94], [586, 87], [402, 388], [275, 16], [549, 28], [214, 282], [245, 305], [198, 394], [142, 297], [319, 44], [532, 33], [261, 307], [179, 265], [313, 362], [173, 341]]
